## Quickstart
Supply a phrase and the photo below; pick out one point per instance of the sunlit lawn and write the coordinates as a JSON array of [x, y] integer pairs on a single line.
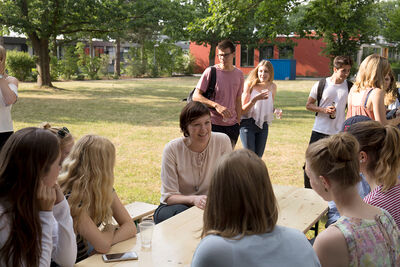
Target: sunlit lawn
[[140, 116]]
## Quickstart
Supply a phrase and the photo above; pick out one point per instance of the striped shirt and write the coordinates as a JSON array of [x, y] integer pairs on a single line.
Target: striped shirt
[[389, 201]]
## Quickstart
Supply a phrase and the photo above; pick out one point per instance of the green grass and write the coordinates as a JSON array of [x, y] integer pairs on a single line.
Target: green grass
[[141, 115]]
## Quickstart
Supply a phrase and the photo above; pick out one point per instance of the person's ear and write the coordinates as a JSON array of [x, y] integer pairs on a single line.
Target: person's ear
[[363, 157], [325, 182]]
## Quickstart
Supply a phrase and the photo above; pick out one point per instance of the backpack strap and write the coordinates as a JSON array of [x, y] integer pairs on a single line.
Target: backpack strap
[[320, 90], [349, 85]]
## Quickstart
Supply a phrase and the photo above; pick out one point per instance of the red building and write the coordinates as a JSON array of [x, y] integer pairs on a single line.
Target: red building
[[310, 61]]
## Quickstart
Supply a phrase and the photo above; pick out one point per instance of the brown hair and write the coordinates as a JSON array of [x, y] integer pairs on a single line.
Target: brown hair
[[226, 44], [240, 200], [341, 61], [25, 159], [372, 72], [253, 79], [192, 111], [391, 91], [382, 145], [336, 158], [65, 137]]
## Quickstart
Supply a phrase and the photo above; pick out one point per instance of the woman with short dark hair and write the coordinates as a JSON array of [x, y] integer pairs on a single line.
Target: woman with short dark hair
[[240, 220], [187, 162]]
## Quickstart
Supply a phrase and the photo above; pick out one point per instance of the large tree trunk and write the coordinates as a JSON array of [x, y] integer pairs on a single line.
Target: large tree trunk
[[211, 55], [117, 62], [41, 47]]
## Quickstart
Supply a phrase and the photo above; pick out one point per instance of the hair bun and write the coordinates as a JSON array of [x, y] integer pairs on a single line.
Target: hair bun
[[45, 125], [342, 147]]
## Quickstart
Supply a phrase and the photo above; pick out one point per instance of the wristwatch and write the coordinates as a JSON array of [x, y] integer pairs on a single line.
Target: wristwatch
[[1, 76]]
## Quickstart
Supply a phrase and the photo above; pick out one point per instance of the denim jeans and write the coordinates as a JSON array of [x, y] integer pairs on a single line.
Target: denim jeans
[[253, 137]]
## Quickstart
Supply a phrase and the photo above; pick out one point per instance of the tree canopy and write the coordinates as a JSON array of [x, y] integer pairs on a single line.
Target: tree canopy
[[344, 24]]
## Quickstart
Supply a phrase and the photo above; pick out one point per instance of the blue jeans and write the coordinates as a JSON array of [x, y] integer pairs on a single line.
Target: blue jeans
[[253, 137]]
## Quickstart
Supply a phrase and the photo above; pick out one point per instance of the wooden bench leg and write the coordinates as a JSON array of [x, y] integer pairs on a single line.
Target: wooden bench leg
[[315, 228]]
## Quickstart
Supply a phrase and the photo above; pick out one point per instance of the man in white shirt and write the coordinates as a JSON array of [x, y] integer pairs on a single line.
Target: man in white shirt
[[331, 105]]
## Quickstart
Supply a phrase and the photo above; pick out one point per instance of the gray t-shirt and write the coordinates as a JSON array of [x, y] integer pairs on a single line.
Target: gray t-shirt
[[282, 247]]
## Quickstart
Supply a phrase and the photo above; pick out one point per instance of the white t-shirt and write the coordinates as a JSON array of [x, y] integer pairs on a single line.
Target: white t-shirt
[[6, 124], [332, 93]]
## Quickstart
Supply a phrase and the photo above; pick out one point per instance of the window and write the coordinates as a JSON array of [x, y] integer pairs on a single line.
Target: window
[[246, 56], [266, 52], [286, 52]]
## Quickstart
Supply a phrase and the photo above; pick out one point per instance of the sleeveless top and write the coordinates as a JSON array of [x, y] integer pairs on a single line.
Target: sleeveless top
[[371, 242], [262, 111], [361, 109], [6, 124]]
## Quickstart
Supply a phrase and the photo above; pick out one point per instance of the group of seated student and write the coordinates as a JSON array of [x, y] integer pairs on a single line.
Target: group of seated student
[[45, 223]]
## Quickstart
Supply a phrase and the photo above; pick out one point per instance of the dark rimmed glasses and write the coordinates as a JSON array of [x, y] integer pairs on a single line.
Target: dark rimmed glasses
[[224, 55], [63, 132]]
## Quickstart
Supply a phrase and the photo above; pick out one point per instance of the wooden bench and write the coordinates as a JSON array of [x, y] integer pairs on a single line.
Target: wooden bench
[[139, 210]]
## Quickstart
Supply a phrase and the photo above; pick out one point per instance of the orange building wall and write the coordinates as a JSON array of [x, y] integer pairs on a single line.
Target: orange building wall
[[307, 53]]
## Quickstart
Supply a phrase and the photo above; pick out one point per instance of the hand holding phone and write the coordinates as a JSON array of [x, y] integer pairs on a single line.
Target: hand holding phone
[[126, 256]]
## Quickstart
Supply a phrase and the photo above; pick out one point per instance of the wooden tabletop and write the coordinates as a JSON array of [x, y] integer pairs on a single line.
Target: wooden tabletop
[[175, 240]]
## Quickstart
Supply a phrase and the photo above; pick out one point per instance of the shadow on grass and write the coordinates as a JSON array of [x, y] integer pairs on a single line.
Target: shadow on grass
[[136, 104]]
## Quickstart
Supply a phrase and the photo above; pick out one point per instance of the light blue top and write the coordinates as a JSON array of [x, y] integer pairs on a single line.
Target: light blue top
[[282, 247]]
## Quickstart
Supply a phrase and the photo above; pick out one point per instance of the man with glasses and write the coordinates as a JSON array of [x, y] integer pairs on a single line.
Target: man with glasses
[[226, 105]]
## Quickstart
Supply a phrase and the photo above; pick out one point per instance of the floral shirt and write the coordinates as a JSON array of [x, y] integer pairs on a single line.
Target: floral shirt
[[371, 242]]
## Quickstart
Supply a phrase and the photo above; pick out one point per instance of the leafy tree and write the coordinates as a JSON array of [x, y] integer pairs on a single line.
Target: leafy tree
[[391, 21], [43, 20], [344, 24], [244, 21]]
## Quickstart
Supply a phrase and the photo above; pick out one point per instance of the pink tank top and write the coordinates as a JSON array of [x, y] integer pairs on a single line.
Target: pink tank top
[[361, 109]]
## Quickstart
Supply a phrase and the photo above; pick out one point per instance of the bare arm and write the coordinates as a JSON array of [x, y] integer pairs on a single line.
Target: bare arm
[[198, 96], [379, 109], [100, 240], [311, 106], [198, 201], [9, 97], [331, 248], [247, 104], [238, 109], [127, 228]]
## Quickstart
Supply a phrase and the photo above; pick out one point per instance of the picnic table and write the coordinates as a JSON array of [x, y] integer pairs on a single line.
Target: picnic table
[[175, 239]]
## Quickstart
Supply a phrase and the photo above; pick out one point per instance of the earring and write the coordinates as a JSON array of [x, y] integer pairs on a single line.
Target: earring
[[326, 190]]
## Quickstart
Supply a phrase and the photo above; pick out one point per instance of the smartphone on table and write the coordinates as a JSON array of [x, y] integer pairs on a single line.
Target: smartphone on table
[[126, 256]]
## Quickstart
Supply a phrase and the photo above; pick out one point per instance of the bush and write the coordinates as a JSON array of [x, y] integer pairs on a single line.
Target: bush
[[88, 65], [19, 64], [69, 64]]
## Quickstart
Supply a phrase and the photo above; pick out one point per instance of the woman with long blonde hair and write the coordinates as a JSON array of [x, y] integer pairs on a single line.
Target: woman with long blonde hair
[[258, 107], [8, 96], [367, 95], [87, 179], [240, 220]]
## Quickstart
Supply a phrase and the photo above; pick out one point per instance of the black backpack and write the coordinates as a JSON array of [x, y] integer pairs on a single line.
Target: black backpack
[[210, 92], [321, 87]]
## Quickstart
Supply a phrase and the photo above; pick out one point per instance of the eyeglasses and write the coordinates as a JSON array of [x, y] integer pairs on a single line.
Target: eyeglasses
[[63, 132], [224, 55]]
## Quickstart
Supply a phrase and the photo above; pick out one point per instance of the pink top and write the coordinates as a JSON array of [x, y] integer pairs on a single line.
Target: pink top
[[361, 109], [389, 201], [185, 172], [228, 87]]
